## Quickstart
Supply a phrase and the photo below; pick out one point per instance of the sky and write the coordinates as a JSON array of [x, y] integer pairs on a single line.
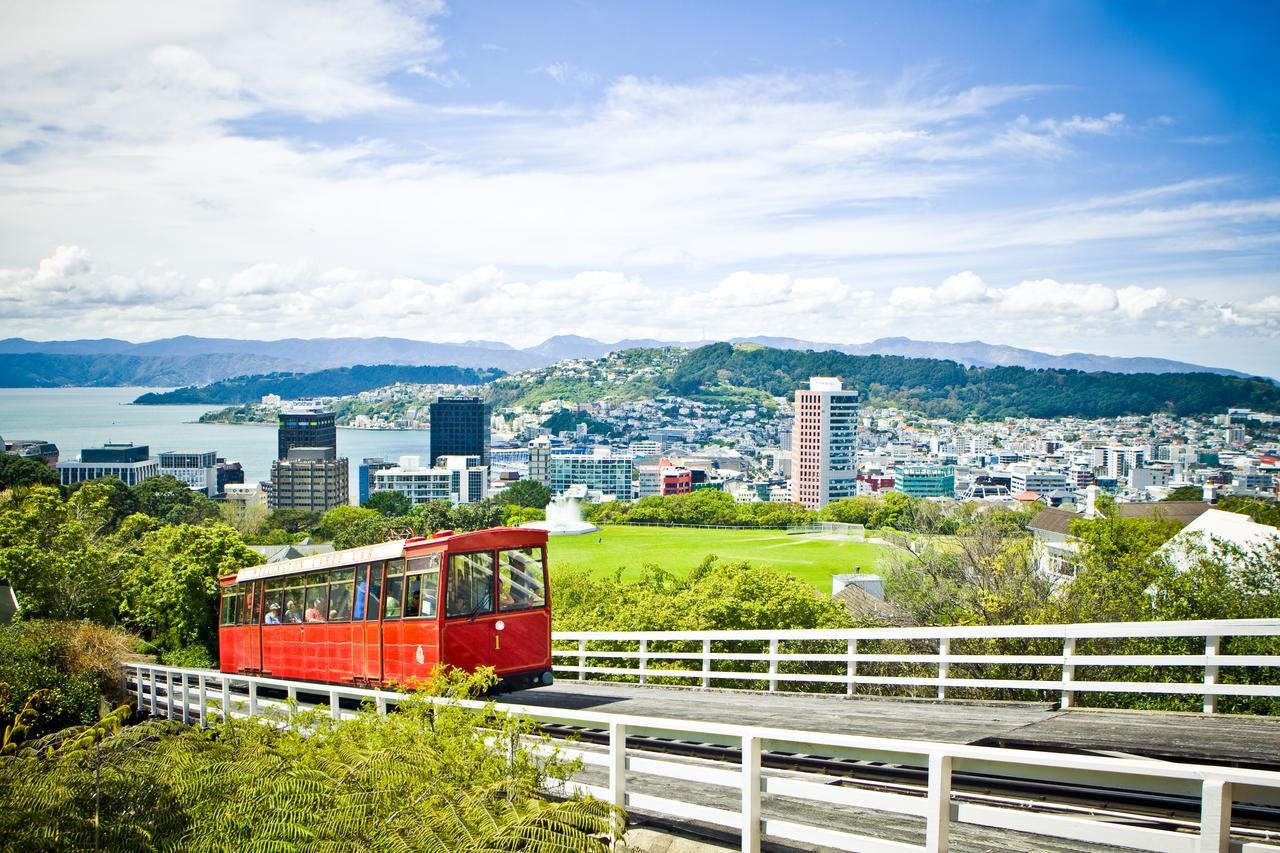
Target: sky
[[1063, 176]]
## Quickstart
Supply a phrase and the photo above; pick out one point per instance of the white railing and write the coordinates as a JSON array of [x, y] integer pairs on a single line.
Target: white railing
[[632, 654], [745, 798]]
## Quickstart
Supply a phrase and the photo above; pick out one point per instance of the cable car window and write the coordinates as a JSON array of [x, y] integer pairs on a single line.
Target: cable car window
[[248, 614], [521, 580], [316, 596], [340, 584], [294, 600], [470, 584], [395, 591], [230, 598], [273, 602], [422, 587], [368, 592]]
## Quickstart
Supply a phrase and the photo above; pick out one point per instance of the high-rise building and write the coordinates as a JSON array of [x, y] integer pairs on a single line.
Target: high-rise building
[[540, 460], [305, 426], [310, 478], [597, 472], [824, 443], [1117, 461], [365, 474], [460, 427], [132, 463]]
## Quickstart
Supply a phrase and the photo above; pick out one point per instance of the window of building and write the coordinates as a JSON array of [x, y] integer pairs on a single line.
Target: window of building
[[521, 579], [470, 584]]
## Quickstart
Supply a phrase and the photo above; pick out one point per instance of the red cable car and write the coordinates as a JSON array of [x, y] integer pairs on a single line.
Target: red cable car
[[387, 614]]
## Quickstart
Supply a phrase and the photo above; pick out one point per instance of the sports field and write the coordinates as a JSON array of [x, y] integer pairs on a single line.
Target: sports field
[[809, 557]]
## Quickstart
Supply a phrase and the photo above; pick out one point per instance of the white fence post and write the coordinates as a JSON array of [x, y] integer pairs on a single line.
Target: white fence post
[[618, 764], [644, 661], [137, 682], [773, 665], [168, 694], [1068, 673], [186, 697], [226, 698], [706, 663], [582, 660], [852, 667], [750, 794], [334, 710], [293, 700], [1215, 816], [1211, 646], [944, 667], [938, 810], [253, 698], [204, 701], [154, 692]]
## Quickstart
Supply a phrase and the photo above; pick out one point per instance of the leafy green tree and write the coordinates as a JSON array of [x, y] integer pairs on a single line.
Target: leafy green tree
[[58, 554], [170, 591], [171, 501], [291, 520], [389, 504], [23, 471], [335, 522], [528, 493], [114, 501], [714, 596]]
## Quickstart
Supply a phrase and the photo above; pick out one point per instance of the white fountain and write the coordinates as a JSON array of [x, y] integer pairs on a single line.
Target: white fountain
[[563, 519]]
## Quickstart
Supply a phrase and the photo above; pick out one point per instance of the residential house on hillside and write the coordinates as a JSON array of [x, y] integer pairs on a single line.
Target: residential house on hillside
[[1058, 552]]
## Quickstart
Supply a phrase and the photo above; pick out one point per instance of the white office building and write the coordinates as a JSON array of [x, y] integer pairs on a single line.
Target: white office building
[[199, 470], [457, 479]]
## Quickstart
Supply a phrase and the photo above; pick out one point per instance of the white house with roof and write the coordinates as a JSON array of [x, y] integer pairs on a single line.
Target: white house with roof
[[1216, 534]]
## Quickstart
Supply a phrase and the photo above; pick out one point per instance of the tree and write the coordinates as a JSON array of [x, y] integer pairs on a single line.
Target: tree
[[22, 471], [389, 503], [120, 501], [529, 493], [714, 596], [985, 576], [170, 591], [58, 553], [335, 522], [1186, 493], [172, 501], [291, 520]]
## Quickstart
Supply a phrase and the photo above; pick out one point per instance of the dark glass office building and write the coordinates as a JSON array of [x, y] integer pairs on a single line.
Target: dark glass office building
[[306, 429], [460, 427]]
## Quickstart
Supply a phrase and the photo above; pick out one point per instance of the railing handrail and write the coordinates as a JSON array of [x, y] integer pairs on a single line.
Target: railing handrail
[[1213, 784], [1083, 630]]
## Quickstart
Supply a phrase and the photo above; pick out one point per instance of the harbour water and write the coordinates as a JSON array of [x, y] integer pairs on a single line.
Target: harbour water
[[73, 418]]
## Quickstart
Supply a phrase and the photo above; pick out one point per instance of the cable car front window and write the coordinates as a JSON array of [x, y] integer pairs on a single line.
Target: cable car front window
[[230, 598], [521, 580], [470, 584]]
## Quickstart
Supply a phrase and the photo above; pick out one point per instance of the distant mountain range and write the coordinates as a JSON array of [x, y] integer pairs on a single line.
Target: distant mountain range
[[188, 360]]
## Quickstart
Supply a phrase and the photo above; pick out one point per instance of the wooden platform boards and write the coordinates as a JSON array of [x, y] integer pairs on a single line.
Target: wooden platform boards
[[1229, 740]]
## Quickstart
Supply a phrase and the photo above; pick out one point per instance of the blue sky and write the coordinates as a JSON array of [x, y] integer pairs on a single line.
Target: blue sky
[[1061, 176]]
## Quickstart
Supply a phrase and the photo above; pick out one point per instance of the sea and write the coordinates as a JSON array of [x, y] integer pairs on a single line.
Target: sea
[[73, 418]]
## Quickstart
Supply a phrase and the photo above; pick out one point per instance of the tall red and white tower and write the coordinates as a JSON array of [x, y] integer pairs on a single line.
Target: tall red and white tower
[[824, 443]]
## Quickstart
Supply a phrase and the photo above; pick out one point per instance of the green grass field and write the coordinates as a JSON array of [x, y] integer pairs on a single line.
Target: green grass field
[[678, 549]]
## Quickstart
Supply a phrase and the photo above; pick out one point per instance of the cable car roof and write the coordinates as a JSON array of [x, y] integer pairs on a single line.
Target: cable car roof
[[329, 560]]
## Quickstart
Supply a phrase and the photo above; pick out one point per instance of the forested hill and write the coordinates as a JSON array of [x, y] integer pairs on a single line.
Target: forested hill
[[323, 383], [946, 389]]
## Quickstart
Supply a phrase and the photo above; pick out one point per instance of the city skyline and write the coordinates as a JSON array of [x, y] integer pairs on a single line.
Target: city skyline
[[1060, 177]]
